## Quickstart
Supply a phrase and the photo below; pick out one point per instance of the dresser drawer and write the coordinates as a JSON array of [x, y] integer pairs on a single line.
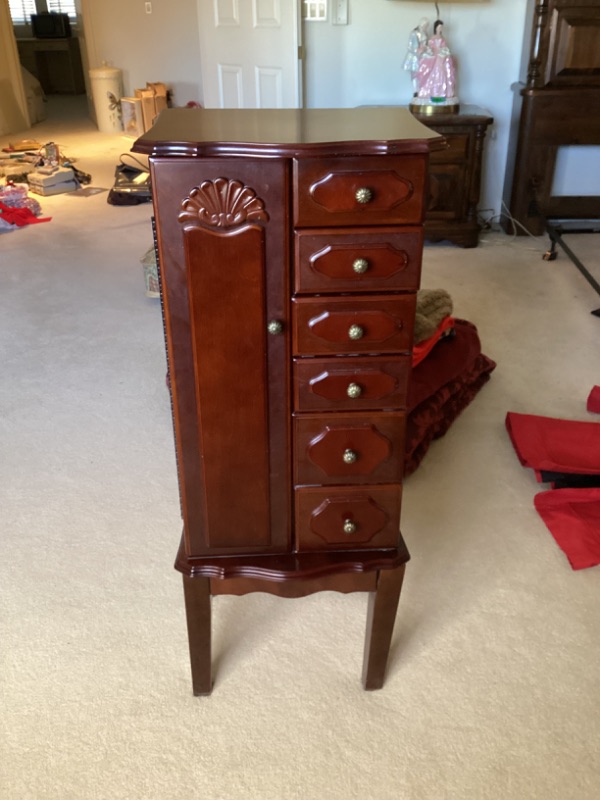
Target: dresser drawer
[[350, 384], [345, 261], [359, 191], [359, 324], [456, 151], [349, 448], [347, 517]]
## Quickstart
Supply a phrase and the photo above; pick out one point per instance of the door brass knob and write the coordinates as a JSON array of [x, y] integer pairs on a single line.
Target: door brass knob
[[360, 265], [349, 526], [363, 195], [350, 456], [353, 391], [275, 327]]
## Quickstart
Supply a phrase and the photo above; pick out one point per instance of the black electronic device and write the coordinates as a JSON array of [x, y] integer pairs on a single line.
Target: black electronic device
[[51, 25]]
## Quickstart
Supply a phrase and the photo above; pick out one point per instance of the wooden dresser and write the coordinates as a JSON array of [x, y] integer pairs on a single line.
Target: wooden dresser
[[290, 252], [455, 175]]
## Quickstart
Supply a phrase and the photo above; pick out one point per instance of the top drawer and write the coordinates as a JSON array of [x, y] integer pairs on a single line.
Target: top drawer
[[456, 151], [375, 190]]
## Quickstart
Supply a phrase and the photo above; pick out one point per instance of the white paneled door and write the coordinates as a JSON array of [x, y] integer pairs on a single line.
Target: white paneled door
[[250, 53]]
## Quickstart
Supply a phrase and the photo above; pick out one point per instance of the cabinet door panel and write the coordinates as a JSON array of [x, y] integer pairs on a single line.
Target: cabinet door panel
[[231, 364], [223, 249], [574, 51], [447, 192]]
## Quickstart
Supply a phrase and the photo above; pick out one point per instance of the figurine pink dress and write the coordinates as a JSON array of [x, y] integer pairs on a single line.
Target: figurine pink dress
[[436, 75]]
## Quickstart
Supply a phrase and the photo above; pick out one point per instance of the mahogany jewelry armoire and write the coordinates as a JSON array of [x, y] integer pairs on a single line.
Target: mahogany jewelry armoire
[[289, 249]]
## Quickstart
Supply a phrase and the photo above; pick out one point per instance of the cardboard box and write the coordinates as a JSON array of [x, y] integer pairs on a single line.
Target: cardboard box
[[153, 99], [146, 96], [160, 95]]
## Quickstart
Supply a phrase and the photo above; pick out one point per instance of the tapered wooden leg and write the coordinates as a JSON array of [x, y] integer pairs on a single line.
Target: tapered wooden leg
[[383, 604], [197, 609]]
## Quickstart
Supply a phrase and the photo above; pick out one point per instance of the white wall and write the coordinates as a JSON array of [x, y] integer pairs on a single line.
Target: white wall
[[361, 63], [356, 64], [161, 46]]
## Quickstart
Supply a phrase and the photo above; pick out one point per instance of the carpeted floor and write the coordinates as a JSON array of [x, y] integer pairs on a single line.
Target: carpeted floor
[[493, 688]]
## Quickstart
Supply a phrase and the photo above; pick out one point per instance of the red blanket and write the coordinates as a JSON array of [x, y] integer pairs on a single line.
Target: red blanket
[[441, 386]]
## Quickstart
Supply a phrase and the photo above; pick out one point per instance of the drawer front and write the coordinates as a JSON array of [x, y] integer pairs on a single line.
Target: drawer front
[[456, 151], [346, 261], [359, 191], [360, 324], [347, 517], [349, 448], [350, 384]]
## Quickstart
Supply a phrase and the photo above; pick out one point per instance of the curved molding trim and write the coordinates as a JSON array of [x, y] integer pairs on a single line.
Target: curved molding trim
[[222, 203]]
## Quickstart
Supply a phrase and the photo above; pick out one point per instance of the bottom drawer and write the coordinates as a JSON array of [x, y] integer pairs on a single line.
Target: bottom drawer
[[348, 517]]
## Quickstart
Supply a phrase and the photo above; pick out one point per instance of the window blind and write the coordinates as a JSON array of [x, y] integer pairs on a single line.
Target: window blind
[[63, 6], [21, 11]]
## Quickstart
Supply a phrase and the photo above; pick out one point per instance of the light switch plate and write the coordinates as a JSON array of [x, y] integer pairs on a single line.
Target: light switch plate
[[339, 12]]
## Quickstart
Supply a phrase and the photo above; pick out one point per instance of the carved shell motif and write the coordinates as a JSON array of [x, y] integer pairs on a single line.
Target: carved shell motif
[[222, 204]]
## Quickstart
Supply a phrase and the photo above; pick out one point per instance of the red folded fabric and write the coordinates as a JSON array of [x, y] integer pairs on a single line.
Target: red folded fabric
[[445, 363], [421, 350], [555, 445], [573, 518], [593, 401], [19, 216]]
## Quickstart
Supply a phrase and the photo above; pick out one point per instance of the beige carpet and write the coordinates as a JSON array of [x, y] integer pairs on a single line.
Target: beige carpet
[[493, 689]]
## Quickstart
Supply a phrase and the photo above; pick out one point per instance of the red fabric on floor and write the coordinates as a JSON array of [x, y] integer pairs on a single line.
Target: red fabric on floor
[[19, 216], [593, 401], [573, 518], [441, 387], [555, 445], [446, 362]]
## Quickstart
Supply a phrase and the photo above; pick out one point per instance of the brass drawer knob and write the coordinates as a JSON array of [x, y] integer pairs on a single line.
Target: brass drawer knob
[[350, 456], [353, 391], [363, 195], [275, 327], [360, 265], [355, 332], [349, 527]]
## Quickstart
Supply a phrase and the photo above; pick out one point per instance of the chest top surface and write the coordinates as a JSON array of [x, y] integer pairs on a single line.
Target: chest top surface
[[183, 132]]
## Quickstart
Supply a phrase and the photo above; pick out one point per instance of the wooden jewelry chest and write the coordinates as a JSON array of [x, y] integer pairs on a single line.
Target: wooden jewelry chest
[[290, 246]]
